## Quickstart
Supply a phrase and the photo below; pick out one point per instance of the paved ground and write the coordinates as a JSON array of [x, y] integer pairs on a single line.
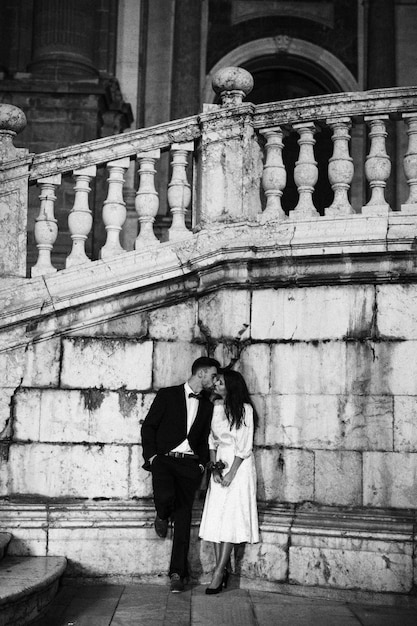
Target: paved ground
[[153, 605]]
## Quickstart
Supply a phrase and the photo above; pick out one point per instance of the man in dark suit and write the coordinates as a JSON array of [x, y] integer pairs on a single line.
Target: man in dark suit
[[175, 448]]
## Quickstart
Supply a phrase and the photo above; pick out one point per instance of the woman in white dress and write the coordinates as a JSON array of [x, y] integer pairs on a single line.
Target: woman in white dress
[[230, 514]]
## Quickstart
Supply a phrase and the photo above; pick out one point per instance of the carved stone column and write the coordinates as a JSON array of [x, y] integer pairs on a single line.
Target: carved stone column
[[185, 96], [63, 39]]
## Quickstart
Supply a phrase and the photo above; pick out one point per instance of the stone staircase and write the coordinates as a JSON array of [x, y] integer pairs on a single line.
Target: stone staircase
[[27, 584]]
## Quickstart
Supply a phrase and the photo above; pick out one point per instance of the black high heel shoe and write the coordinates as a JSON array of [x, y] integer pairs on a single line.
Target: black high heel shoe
[[223, 584], [212, 592]]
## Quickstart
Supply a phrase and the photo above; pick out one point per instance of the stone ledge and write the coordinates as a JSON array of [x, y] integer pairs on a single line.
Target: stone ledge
[[230, 255], [27, 586], [329, 547]]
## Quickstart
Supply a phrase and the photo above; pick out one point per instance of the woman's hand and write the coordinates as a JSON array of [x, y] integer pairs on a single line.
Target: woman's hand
[[217, 477], [227, 479]]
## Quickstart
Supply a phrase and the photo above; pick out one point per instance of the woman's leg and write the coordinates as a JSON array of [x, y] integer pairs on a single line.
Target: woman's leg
[[217, 552], [222, 561]]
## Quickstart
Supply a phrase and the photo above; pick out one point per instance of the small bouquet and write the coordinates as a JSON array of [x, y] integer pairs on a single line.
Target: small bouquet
[[217, 466]]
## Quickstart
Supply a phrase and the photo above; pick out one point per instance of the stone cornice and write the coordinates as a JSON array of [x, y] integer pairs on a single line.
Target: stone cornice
[[305, 519], [321, 251], [393, 101], [114, 147]]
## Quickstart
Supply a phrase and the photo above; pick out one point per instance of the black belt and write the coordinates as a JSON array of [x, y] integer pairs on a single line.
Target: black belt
[[182, 455]]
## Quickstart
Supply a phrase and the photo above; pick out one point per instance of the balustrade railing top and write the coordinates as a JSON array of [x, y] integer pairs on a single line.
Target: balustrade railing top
[[238, 156]]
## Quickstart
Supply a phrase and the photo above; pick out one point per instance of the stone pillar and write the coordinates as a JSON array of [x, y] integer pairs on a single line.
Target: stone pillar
[[186, 67], [229, 168], [63, 39], [381, 72], [14, 174]]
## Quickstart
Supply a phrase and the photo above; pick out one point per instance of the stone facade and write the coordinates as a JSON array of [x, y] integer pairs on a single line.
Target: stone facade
[[336, 450]]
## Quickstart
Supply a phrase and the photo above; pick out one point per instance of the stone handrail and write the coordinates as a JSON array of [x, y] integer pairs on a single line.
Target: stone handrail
[[237, 151]]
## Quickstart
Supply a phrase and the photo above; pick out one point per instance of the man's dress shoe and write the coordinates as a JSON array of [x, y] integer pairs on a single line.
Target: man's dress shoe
[[161, 527], [177, 584]]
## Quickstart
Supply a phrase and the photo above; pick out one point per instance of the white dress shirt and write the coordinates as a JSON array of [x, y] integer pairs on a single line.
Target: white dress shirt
[[192, 408]]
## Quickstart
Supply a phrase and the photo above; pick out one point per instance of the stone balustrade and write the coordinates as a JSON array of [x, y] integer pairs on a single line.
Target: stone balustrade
[[239, 169]]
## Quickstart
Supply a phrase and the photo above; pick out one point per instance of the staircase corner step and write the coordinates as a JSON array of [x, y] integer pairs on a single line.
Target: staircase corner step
[[4, 542], [27, 586]]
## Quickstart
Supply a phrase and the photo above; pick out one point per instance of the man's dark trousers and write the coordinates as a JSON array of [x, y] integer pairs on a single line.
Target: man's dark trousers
[[175, 482]]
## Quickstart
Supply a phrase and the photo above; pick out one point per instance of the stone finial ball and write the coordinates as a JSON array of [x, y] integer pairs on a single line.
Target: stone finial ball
[[232, 79], [12, 118]]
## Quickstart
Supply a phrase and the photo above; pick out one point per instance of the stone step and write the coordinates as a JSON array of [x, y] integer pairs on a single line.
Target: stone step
[[4, 542], [27, 586]]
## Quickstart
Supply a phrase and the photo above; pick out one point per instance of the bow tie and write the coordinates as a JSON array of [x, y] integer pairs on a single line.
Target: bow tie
[[195, 395]]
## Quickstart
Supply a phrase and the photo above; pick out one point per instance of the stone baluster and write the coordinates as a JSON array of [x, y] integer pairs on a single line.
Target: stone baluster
[[14, 176], [46, 226], [410, 163], [80, 219], [179, 191], [340, 167], [377, 166], [274, 176], [305, 171], [147, 200], [114, 208]]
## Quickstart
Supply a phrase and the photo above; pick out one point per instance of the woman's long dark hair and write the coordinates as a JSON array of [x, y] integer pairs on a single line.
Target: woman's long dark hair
[[237, 396]]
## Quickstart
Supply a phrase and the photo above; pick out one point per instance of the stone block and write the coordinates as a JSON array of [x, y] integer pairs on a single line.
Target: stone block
[[27, 413], [140, 481], [12, 366], [259, 404], [329, 422], [389, 479], [106, 363], [74, 471], [255, 365], [172, 362], [174, 323], [127, 549], [91, 415], [227, 353], [380, 368], [225, 313], [308, 368], [299, 421], [405, 424], [267, 560], [42, 364], [403, 368], [312, 313], [397, 311], [366, 422], [128, 325], [338, 477], [6, 395], [284, 474], [347, 569]]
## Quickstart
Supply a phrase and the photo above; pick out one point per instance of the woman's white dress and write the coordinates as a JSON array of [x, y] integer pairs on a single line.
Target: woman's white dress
[[230, 513]]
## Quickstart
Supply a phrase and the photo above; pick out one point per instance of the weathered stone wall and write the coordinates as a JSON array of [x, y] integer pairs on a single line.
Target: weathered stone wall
[[333, 376]]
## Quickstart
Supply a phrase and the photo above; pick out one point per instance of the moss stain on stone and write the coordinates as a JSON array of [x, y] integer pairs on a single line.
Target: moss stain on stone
[[127, 401], [93, 398]]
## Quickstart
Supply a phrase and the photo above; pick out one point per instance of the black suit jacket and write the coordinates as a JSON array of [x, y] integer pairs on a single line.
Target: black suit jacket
[[165, 425]]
